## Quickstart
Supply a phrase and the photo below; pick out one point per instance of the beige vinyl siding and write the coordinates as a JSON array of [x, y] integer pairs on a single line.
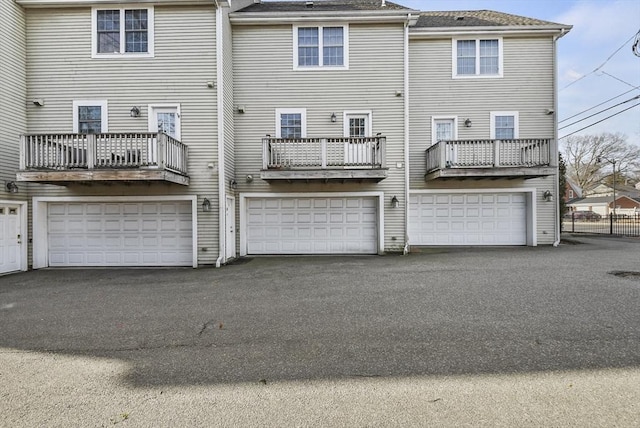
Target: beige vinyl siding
[[264, 80], [228, 101], [527, 88], [13, 118], [60, 69]]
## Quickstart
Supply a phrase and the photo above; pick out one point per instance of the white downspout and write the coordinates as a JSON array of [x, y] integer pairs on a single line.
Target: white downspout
[[406, 136], [222, 191], [555, 135]]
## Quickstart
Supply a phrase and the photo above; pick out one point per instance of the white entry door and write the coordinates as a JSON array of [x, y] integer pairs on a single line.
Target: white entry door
[[10, 238], [356, 151], [468, 219], [444, 129], [230, 212], [313, 225]]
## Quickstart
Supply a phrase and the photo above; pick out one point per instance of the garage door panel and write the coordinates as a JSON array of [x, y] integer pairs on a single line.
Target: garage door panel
[[313, 225], [120, 234], [468, 219]]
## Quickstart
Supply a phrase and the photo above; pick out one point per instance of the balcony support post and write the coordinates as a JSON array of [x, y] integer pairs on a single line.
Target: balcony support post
[[442, 149], [91, 151], [496, 153], [323, 152]]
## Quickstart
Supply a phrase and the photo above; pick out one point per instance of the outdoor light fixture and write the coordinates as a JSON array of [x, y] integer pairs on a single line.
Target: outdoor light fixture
[[233, 183], [548, 197], [395, 203], [467, 123], [206, 205], [333, 117], [12, 187], [249, 178], [134, 112]]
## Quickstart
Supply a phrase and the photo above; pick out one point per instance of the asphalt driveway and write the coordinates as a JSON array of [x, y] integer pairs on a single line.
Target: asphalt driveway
[[268, 331]]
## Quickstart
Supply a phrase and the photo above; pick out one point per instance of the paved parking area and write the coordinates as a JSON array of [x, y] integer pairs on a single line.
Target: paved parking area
[[485, 337]]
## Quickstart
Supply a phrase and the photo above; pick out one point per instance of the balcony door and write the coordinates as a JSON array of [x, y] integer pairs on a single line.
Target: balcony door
[[357, 125], [444, 129], [166, 119]]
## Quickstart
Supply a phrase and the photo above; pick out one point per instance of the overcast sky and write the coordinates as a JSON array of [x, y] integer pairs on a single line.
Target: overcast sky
[[600, 28]]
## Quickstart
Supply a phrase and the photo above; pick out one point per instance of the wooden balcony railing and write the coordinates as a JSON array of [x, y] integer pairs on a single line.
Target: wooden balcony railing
[[519, 153], [59, 152], [323, 153]]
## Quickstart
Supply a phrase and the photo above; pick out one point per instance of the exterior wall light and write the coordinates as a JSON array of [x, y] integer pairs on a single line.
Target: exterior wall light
[[206, 205], [134, 112], [249, 178], [12, 187], [233, 183], [395, 203], [467, 123], [548, 197], [333, 117]]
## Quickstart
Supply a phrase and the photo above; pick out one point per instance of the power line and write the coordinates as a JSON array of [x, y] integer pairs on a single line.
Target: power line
[[598, 105], [602, 120], [618, 79], [601, 111], [601, 65]]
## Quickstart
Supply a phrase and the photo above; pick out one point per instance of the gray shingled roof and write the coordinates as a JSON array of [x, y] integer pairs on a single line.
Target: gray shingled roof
[[477, 18], [322, 6]]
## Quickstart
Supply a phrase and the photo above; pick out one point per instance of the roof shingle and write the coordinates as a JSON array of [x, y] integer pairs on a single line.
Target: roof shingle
[[322, 6], [476, 18]]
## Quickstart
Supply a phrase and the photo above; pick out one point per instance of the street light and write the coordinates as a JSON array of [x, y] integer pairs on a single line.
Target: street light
[[613, 162]]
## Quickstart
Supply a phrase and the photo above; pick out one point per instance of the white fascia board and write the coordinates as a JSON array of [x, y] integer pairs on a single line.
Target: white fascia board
[[435, 33], [76, 3], [260, 18]]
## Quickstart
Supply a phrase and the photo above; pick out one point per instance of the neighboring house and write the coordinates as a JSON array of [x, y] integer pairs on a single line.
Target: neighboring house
[[603, 189], [603, 205], [189, 133], [571, 191]]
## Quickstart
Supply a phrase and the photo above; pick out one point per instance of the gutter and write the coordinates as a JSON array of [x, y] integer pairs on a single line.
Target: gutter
[[555, 133], [222, 191]]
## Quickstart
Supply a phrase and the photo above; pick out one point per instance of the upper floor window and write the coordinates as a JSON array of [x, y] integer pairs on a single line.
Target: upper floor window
[[320, 47], [90, 116], [504, 125], [122, 32], [477, 58], [291, 123]]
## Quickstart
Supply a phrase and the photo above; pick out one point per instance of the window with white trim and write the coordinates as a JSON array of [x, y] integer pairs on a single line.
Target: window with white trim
[[291, 123], [90, 116], [504, 125], [477, 57], [444, 128], [118, 32], [320, 47], [357, 124]]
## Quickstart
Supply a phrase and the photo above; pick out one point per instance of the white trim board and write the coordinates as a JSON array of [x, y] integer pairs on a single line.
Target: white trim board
[[24, 229]]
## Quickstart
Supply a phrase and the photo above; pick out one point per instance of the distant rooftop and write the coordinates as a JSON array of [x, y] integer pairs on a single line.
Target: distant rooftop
[[323, 6], [477, 18]]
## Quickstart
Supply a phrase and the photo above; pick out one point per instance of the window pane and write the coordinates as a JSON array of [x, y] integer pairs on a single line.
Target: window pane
[[357, 127], [308, 46], [89, 119], [291, 125], [135, 26], [167, 123], [108, 27], [333, 46], [489, 54], [505, 127], [444, 130], [466, 61]]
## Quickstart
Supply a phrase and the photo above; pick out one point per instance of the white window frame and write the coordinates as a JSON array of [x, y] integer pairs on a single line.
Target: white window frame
[[104, 113], [303, 119], [153, 123], [122, 53], [433, 127], [516, 123], [477, 75], [367, 113], [321, 66]]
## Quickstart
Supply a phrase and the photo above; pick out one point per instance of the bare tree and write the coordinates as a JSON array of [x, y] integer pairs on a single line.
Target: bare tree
[[589, 157]]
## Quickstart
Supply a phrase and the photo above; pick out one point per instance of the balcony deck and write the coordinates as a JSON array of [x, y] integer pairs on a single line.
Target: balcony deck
[[328, 159], [109, 157], [492, 159]]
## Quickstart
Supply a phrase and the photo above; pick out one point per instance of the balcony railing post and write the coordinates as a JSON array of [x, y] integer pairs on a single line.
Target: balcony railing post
[[91, 150], [162, 144], [382, 150], [442, 147], [265, 153], [496, 153], [323, 153], [23, 152]]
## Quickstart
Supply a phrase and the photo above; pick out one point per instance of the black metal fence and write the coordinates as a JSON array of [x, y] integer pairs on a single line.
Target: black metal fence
[[619, 224]]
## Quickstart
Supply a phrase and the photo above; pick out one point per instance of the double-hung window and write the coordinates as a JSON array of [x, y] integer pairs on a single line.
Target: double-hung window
[[122, 32], [90, 116], [504, 125], [291, 123], [477, 57], [321, 47]]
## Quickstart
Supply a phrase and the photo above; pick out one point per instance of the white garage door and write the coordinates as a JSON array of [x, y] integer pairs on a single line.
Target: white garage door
[[120, 234], [468, 219], [340, 225]]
